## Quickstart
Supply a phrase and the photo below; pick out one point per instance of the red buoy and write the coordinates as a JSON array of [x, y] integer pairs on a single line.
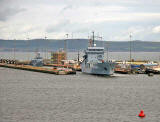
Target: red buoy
[[141, 114]]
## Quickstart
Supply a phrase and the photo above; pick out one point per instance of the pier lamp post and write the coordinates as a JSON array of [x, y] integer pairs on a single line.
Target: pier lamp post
[[130, 49], [78, 57], [65, 44], [28, 47], [45, 49], [14, 46]]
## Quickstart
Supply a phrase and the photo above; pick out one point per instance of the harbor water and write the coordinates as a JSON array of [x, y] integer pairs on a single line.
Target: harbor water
[[153, 56], [36, 97]]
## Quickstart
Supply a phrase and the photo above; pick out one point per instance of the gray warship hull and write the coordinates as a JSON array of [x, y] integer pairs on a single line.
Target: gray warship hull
[[105, 68]]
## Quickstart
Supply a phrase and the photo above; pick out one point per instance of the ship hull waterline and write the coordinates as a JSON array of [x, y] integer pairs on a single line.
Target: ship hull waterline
[[106, 68]]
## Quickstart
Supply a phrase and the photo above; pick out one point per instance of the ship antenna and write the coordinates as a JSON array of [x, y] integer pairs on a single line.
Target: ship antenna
[[93, 38]]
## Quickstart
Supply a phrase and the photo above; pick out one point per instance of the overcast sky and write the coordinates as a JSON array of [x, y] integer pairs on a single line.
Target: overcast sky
[[111, 19]]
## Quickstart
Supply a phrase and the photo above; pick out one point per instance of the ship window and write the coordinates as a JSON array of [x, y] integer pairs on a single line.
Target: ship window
[[95, 49], [99, 57]]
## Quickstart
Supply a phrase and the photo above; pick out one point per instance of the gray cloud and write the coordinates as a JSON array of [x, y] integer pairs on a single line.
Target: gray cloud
[[67, 7], [110, 17], [61, 26], [9, 8], [67, 26], [8, 12]]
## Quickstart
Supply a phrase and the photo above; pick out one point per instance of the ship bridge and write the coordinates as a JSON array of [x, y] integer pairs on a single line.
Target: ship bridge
[[95, 54], [95, 50]]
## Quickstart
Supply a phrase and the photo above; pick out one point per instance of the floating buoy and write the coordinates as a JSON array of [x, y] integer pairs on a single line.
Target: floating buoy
[[141, 114]]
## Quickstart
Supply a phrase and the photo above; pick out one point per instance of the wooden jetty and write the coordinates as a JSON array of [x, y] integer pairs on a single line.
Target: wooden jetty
[[39, 69], [74, 67], [122, 70]]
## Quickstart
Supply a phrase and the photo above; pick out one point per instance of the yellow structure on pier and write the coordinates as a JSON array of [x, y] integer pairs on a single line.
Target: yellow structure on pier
[[57, 57]]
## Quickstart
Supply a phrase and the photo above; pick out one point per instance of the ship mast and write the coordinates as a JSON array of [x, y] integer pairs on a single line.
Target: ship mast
[[93, 39]]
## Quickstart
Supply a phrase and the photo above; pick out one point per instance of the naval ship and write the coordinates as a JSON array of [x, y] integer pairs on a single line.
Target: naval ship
[[94, 63], [37, 61]]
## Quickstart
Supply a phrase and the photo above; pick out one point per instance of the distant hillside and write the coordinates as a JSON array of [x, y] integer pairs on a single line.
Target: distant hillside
[[77, 44]]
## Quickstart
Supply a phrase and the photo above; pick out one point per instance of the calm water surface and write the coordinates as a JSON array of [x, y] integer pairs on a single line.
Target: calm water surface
[[36, 97], [73, 55]]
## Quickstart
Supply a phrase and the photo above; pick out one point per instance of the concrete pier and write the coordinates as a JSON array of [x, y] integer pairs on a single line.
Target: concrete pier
[[39, 69]]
